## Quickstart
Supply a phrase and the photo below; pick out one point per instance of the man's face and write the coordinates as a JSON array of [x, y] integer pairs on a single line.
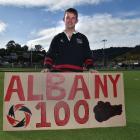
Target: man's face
[[70, 20]]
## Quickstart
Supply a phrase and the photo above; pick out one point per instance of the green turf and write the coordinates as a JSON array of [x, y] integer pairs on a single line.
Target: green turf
[[129, 132]]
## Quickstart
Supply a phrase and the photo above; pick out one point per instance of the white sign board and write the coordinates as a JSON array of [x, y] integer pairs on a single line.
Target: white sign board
[[46, 101]]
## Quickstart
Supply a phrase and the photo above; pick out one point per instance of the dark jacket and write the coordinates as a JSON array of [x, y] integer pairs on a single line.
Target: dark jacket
[[69, 55]]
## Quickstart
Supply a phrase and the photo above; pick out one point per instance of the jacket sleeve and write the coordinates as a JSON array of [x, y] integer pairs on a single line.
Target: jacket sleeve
[[51, 54], [88, 62]]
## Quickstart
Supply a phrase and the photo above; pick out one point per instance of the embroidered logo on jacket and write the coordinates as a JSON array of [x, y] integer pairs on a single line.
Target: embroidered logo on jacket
[[61, 40], [79, 41]]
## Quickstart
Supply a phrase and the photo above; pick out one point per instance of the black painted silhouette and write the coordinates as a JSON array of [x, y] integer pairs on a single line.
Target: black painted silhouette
[[104, 111]]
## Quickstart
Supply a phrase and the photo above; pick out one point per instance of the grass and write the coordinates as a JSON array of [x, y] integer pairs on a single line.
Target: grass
[[129, 132]]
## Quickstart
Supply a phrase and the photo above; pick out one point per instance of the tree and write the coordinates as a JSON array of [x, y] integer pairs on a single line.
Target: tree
[[25, 48], [13, 47], [2, 52], [10, 45], [38, 47]]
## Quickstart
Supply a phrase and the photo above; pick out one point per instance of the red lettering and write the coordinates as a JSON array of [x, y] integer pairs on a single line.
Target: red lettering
[[99, 84], [76, 111], [31, 96], [75, 88], [15, 80], [57, 108], [43, 123], [114, 82], [55, 86]]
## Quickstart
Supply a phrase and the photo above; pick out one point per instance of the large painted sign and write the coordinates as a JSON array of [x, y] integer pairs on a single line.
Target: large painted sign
[[46, 101]]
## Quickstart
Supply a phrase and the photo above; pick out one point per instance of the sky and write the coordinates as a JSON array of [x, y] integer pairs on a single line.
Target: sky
[[31, 22]]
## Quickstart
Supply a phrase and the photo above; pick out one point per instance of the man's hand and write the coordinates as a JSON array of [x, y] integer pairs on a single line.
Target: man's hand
[[45, 70]]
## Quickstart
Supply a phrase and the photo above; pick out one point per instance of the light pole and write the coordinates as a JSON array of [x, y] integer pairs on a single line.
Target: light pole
[[31, 55], [104, 41]]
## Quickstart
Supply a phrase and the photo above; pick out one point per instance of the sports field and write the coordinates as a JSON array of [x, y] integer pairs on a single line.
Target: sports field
[[129, 132]]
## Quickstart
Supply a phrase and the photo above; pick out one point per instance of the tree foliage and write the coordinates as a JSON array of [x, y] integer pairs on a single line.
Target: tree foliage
[[15, 53]]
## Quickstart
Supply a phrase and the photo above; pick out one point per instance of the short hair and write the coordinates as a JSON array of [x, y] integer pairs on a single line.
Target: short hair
[[72, 10]]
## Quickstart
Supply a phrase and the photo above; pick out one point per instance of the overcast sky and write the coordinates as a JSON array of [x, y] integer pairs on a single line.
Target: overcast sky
[[37, 21]]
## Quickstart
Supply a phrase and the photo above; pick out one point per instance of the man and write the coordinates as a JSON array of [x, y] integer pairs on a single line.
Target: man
[[69, 51]]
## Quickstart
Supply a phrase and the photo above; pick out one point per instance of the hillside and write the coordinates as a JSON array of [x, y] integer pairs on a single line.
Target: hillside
[[118, 54]]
